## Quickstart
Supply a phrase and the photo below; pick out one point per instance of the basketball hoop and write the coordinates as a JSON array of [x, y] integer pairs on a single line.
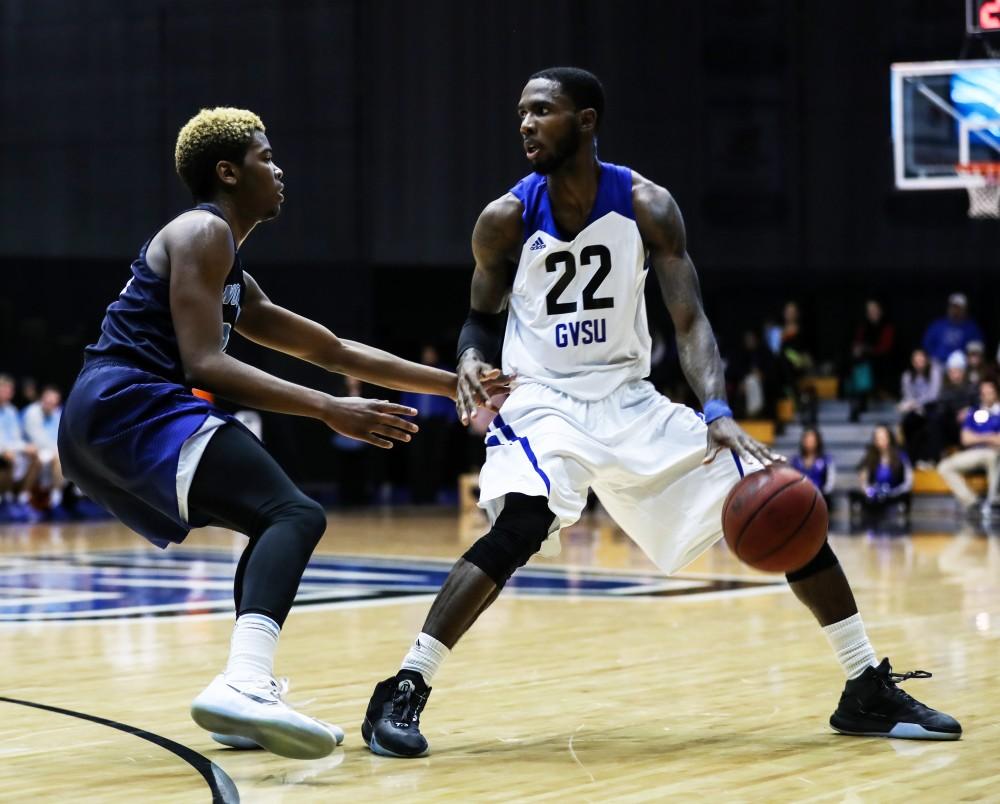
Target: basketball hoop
[[983, 187]]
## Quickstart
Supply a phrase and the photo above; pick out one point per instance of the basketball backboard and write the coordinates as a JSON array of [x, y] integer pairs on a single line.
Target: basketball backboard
[[945, 114]]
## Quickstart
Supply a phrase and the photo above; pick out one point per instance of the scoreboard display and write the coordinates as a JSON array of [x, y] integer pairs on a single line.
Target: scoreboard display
[[982, 16]]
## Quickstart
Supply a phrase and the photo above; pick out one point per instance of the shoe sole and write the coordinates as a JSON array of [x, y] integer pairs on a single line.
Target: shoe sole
[[368, 735], [903, 731], [277, 736], [246, 744]]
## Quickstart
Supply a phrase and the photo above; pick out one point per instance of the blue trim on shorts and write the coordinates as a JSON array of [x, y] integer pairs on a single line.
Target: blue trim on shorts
[[739, 466], [534, 462], [511, 436], [505, 428]]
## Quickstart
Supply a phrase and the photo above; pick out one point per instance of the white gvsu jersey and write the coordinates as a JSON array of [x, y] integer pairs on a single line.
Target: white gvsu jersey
[[577, 319]]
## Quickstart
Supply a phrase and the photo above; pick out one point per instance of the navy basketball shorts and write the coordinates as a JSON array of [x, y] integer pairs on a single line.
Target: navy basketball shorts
[[131, 441]]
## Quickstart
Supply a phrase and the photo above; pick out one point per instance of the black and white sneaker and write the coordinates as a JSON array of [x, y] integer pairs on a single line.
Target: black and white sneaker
[[873, 706], [392, 722]]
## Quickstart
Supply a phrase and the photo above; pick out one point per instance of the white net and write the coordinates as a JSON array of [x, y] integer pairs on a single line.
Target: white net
[[984, 200], [983, 188]]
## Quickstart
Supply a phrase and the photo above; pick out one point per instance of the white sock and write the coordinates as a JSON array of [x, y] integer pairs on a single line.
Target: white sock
[[850, 642], [251, 651], [425, 656], [24, 497], [55, 497]]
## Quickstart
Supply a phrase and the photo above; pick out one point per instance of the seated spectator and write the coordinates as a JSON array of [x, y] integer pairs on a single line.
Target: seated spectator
[[953, 332], [41, 427], [886, 479], [752, 378], [980, 439], [978, 368], [871, 358], [18, 460], [955, 396], [815, 464], [919, 390]]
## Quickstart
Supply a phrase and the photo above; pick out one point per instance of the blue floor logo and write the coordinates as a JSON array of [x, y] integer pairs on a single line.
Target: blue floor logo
[[141, 583]]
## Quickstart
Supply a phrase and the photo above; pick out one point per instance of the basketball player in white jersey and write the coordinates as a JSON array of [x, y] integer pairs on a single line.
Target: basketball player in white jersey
[[581, 234]]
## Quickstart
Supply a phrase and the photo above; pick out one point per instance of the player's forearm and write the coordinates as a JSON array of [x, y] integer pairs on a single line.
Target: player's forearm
[[375, 366], [700, 361], [246, 385]]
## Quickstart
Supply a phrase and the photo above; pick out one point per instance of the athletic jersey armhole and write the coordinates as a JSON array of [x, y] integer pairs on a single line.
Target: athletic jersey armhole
[[620, 189], [529, 192], [210, 208]]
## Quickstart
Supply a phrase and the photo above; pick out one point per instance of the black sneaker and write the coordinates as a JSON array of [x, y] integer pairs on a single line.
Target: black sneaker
[[873, 706], [392, 722]]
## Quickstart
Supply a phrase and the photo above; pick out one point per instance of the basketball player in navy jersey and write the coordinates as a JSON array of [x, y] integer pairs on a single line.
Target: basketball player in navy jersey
[[135, 439], [581, 234]]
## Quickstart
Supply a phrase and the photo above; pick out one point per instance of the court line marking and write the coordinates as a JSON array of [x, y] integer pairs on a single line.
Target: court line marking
[[756, 585], [223, 788], [391, 558]]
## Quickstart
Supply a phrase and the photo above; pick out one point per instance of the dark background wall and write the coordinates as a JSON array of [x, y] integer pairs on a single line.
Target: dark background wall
[[395, 124]]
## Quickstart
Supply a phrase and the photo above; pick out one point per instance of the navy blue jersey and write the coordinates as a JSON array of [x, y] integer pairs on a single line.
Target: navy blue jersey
[[138, 329]]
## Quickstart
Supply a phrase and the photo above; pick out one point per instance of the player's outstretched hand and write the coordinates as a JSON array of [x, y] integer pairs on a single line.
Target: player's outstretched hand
[[495, 383], [725, 433], [372, 420], [477, 380]]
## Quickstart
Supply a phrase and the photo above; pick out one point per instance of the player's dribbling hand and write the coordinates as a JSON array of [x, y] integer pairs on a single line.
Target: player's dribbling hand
[[477, 382], [725, 433], [372, 420]]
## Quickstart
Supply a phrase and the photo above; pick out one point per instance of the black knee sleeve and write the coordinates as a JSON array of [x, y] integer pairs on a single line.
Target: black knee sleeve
[[271, 567], [824, 559], [302, 517], [515, 537]]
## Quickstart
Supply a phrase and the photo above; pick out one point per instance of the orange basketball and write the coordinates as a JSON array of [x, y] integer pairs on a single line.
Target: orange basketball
[[775, 520]]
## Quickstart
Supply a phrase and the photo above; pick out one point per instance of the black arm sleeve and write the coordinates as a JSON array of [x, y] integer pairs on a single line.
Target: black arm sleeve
[[483, 332]]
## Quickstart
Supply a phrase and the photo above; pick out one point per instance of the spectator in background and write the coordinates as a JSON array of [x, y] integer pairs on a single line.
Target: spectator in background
[[978, 368], [980, 451], [954, 398], [752, 378], [18, 460], [428, 458], [772, 336], [796, 363], [886, 479], [28, 389], [361, 475], [920, 385], [815, 464], [41, 427], [794, 346], [871, 358], [953, 332]]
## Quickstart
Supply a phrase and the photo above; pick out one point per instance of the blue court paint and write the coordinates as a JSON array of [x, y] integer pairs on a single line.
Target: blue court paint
[[181, 581]]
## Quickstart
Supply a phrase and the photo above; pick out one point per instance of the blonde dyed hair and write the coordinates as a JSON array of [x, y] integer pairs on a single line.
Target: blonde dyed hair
[[212, 135]]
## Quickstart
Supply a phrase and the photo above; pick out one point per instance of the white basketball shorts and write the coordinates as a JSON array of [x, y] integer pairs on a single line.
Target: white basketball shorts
[[641, 453]]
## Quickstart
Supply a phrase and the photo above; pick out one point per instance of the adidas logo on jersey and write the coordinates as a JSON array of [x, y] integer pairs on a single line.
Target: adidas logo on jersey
[[537, 245]]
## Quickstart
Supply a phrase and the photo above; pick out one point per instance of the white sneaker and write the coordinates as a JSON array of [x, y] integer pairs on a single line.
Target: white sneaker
[[246, 744], [253, 710]]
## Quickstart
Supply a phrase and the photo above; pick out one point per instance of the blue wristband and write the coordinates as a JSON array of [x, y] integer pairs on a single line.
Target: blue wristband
[[716, 409]]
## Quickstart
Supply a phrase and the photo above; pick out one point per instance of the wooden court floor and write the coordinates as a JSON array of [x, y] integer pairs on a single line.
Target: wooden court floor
[[596, 680]]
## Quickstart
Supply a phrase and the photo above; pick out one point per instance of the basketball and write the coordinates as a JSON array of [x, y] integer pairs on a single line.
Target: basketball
[[775, 520]]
